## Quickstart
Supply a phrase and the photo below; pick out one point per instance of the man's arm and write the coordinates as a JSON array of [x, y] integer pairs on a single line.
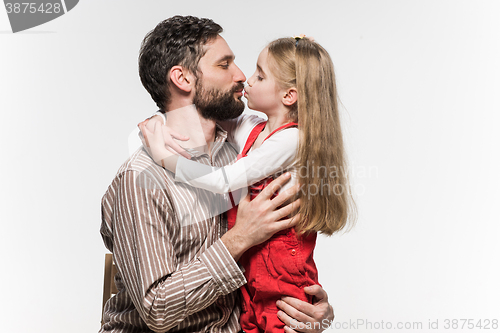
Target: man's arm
[[163, 292]]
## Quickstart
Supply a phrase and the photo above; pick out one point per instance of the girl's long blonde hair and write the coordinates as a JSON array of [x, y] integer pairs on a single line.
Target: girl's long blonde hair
[[327, 205]]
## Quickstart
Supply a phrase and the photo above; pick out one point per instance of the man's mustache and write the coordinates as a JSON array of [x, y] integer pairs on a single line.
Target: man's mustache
[[238, 87]]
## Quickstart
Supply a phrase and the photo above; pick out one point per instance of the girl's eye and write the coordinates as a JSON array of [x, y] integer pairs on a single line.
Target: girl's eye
[[260, 78]]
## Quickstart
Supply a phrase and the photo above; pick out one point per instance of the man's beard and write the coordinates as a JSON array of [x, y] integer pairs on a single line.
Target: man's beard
[[215, 104]]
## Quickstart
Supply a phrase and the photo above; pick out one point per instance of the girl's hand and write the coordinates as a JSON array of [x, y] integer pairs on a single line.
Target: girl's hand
[[160, 139]]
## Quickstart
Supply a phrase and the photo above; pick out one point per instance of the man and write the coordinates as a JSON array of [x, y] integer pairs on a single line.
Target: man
[[177, 265]]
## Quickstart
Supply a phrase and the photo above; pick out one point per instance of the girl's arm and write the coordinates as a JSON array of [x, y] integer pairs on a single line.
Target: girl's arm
[[161, 140], [276, 154], [158, 139]]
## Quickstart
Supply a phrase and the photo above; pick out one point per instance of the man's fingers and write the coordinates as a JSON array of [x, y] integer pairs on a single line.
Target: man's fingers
[[300, 310], [274, 186], [295, 325], [285, 196], [285, 224], [246, 199], [291, 323], [318, 292], [320, 311], [288, 210], [289, 330]]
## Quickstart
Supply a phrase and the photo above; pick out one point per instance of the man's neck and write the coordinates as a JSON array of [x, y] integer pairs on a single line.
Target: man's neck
[[188, 121]]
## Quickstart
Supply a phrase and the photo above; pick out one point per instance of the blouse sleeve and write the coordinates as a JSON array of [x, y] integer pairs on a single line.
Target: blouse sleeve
[[277, 154], [239, 129]]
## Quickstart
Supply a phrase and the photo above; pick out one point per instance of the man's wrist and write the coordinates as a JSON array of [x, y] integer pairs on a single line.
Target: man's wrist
[[225, 271], [234, 243]]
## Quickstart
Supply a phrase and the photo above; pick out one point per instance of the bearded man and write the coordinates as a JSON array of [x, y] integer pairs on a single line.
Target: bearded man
[[176, 260]]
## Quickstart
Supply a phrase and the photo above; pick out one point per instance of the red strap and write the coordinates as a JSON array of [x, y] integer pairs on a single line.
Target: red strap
[[280, 128], [252, 137], [255, 133]]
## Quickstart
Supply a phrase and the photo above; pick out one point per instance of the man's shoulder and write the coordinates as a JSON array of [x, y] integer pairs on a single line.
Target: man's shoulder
[[137, 162], [140, 164]]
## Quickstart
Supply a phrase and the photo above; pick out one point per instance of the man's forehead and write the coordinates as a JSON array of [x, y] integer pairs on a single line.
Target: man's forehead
[[217, 50]]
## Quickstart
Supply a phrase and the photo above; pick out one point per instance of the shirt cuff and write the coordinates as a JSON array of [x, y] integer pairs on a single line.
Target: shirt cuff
[[224, 270]]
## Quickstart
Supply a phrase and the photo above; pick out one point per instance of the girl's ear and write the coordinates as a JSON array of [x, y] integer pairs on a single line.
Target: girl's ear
[[290, 97], [181, 78]]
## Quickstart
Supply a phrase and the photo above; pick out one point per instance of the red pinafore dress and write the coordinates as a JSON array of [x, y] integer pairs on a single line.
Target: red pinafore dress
[[281, 266]]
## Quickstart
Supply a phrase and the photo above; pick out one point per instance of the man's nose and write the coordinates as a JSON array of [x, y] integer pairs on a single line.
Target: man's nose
[[239, 76]]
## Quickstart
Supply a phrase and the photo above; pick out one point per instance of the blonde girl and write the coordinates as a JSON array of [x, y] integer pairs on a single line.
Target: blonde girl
[[294, 85]]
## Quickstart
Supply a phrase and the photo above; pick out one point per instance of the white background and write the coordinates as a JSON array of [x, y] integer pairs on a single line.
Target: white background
[[419, 84]]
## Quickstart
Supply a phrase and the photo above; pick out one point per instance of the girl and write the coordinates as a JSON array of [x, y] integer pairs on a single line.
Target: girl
[[294, 85]]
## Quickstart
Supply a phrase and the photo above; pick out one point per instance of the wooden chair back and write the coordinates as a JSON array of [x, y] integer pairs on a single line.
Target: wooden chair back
[[109, 282]]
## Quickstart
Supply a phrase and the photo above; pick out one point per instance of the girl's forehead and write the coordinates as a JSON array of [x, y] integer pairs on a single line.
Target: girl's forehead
[[262, 59]]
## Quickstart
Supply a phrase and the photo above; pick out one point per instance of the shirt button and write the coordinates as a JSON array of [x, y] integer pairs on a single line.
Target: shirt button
[[293, 252]]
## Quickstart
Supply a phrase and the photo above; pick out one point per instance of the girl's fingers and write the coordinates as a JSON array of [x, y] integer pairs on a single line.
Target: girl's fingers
[[144, 132], [178, 136], [172, 150], [169, 142], [144, 122]]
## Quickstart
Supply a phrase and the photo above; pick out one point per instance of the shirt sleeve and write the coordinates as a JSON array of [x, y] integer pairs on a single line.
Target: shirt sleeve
[[277, 154], [163, 292]]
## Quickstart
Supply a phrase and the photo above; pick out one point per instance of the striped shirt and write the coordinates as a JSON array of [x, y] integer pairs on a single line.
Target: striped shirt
[[174, 272]]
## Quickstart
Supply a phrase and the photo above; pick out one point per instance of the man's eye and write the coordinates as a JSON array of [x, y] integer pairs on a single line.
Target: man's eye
[[225, 66]]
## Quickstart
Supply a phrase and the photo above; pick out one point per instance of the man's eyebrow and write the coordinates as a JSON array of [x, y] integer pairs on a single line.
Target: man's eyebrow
[[226, 58]]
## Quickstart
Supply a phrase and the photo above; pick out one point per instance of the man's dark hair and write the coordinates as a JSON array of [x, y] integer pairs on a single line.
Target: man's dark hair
[[177, 41]]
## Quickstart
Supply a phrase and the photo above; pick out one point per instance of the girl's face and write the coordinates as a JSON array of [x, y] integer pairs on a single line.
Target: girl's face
[[262, 91]]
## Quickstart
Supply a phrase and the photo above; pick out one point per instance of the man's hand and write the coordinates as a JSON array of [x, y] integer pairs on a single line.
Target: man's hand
[[259, 219], [300, 316]]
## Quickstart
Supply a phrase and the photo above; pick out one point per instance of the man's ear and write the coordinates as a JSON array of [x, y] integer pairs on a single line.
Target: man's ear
[[181, 78], [290, 97]]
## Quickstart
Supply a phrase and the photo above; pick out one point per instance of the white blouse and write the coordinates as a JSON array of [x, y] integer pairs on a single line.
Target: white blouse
[[276, 155]]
